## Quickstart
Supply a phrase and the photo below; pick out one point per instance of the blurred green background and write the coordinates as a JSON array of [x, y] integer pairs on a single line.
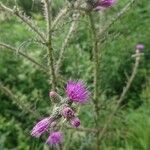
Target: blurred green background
[[130, 129]]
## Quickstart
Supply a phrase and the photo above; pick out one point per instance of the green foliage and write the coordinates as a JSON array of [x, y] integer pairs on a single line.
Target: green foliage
[[136, 138]]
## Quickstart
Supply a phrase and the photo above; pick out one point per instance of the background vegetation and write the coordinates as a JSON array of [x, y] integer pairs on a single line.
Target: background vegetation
[[130, 129]]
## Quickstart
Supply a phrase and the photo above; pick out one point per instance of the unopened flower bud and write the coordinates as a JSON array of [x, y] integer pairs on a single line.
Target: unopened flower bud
[[67, 112], [41, 127], [56, 98], [75, 122]]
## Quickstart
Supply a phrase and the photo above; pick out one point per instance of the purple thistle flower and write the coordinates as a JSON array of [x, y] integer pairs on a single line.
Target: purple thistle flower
[[67, 112], [41, 127], [139, 48], [75, 122], [77, 91], [101, 4], [55, 138]]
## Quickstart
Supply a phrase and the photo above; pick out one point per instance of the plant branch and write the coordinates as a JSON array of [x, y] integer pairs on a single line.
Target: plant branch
[[25, 106], [42, 67], [123, 94], [82, 129], [59, 16], [96, 73], [125, 9], [48, 13], [96, 64], [66, 41], [25, 19], [75, 17]]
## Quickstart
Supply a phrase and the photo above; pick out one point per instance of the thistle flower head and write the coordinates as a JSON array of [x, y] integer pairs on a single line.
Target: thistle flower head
[[139, 48], [77, 91], [75, 122], [41, 127], [67, 112], [55, 138]]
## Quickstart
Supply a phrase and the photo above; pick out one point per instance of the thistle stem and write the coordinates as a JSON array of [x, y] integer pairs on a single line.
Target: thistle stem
[[96, 71], [124, 92], [60, 15], [25, 19], [124, 10], [26, 107], [66, 41], [48, 9], [96, 64]]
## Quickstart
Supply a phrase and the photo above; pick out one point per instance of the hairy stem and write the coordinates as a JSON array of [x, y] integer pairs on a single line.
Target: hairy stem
[[114, 19], [24, 106], [96, 64], [67, 39], [96, 73], [82, 129], [48, 9], [25, 20], [59, 16]]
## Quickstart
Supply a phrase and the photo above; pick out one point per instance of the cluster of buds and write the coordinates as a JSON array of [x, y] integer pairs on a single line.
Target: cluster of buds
[[76, 92]]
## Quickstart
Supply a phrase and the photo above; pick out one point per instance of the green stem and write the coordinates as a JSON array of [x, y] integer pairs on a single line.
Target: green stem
[[49, 43], [96, 73], [96, 64], [123, 94]]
